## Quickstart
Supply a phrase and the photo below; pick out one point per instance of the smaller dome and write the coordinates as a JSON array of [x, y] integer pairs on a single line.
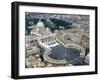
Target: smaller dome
[[47, 31]]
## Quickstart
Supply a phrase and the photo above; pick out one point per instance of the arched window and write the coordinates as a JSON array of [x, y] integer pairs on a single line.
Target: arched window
[[42, 41], [55, 38]]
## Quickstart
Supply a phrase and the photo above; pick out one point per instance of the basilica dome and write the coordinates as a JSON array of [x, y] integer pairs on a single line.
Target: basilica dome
[[40, 24]]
